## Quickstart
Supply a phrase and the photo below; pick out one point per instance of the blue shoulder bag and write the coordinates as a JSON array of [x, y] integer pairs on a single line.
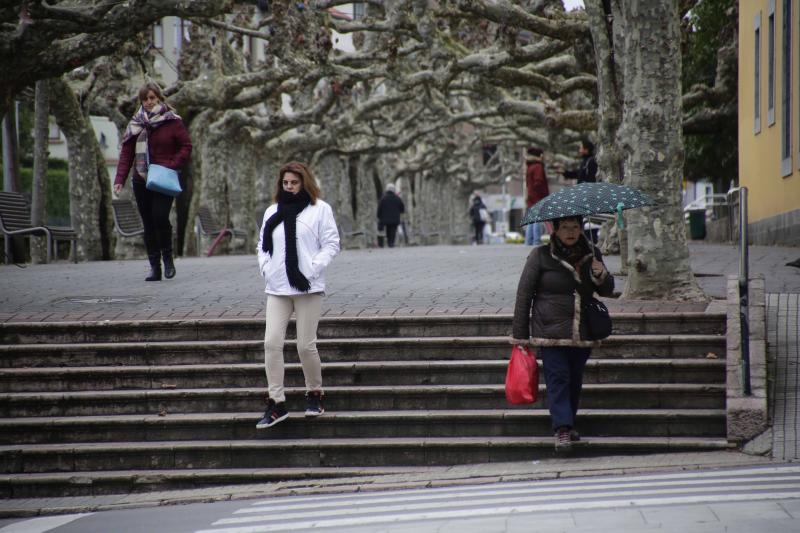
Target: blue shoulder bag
[[164, 180]]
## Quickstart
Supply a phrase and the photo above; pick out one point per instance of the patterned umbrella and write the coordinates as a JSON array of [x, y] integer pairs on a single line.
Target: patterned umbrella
[[586, 199]]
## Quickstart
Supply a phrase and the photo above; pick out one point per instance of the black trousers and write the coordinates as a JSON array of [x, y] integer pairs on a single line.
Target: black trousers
[[154, 208], [479, 232], [391, 234]]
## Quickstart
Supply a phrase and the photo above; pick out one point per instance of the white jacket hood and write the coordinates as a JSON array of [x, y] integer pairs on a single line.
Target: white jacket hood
[[317, 245]]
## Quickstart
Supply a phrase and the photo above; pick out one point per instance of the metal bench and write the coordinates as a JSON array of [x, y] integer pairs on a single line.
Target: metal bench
[[15, 219], [127, 221], [205, 224]]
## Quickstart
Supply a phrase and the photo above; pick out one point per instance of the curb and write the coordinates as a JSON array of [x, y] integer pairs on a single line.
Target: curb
[[416, 478]]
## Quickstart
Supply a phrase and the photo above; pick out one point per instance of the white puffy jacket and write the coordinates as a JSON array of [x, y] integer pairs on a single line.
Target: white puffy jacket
[[317, 245]]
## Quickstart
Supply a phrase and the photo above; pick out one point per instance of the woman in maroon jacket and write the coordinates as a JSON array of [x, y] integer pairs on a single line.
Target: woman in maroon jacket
[[155, 134]]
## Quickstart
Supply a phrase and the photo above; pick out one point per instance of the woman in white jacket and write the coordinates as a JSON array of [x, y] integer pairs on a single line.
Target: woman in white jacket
[[298, 240]]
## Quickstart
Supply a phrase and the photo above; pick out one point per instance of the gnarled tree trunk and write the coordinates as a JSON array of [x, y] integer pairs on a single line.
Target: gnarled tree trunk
[[39, 182], [89, 183], [652, 141], [638, 58]]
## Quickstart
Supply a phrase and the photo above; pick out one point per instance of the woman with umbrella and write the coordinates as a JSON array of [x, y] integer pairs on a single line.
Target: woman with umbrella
[[554, 283]]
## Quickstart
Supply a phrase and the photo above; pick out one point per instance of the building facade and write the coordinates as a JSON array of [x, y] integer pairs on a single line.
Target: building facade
[[769, 118]]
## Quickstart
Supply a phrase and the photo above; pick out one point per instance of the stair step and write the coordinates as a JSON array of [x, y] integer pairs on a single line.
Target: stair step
[[314, 453], [339, 350], [333, 327], [596, 396], [91, 408], [95, 483], [360, 424], [63, 379]]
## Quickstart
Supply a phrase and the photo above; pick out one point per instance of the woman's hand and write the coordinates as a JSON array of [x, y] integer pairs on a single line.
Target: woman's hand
[[597, 268], [117, 188]]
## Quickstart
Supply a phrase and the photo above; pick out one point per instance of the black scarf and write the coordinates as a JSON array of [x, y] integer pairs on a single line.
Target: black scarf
[[289, 206]]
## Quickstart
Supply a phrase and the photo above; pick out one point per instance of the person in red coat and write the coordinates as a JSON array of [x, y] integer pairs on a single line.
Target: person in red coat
[[537, 188], [155, 134]]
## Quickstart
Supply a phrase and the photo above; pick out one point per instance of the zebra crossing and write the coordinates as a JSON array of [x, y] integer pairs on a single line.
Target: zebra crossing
[[345, 511]]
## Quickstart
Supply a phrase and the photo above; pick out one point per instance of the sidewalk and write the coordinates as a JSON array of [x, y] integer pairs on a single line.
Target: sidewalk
[[431, 280]]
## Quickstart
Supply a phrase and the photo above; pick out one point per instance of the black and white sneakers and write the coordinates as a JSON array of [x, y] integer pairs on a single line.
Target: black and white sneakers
[[276, 412], [314, 405]]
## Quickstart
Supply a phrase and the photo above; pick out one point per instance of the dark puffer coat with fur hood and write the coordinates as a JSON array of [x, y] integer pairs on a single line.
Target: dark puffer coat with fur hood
[[550, 295]]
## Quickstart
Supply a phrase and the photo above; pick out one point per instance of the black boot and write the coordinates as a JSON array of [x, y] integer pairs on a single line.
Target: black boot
[[155, 268], [169, 265]]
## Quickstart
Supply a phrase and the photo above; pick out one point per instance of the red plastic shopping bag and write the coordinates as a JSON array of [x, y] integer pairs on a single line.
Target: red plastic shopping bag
[[522, 377]]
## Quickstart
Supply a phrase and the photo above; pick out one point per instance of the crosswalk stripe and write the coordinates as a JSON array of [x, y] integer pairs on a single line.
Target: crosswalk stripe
[[42, 524], [495, 511], [505, 491], [404, 507]]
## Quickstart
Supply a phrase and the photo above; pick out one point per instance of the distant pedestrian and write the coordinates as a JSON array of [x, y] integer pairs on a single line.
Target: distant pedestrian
[[298, 241], [587, 172], [537, 188], [479, 216], [547, 314], [390, 208], [155, 134]]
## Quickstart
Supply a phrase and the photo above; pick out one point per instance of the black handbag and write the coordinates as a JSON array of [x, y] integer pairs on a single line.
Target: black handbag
[[597, 319]]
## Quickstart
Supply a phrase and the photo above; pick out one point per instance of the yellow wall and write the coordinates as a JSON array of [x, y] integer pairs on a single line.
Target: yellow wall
[[769, 193]]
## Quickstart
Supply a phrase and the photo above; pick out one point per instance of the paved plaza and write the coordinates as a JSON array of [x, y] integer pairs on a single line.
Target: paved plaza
[[399, 281]]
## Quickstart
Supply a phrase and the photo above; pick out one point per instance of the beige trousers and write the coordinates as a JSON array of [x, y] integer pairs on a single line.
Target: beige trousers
[[307, 308]]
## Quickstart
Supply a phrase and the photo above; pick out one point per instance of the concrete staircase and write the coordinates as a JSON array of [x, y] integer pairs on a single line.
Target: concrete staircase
[[94, 408]]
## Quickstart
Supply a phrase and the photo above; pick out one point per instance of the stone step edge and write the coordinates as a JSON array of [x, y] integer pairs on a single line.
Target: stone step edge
[[332, 417], [369, 341], [381, 389], [435, 319], [62, 371], [428, 477], [286, 445], [148, 476]]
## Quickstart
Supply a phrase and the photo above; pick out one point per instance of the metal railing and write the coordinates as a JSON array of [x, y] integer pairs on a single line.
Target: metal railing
[[744, 286], [721, 208]]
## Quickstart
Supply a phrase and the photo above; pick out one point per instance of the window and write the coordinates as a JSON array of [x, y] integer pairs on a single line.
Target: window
[[181, 32], [54, 133], [798, 122], [786, 89], [158, 35], [359, 10], [771, 64], [757, 75]]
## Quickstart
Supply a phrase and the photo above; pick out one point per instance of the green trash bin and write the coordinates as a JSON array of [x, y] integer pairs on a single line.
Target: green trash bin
[[697, 224]]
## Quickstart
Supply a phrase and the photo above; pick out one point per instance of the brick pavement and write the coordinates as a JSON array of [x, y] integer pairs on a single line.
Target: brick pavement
[[400, 281], [783, 330]]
